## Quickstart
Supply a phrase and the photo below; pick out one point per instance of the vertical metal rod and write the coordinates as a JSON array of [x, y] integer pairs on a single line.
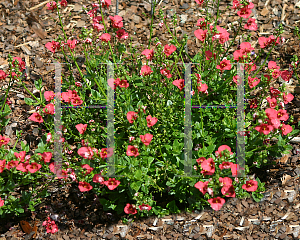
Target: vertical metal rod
[[117, 7]]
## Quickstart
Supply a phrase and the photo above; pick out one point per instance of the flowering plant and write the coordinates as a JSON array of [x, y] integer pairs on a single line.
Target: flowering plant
[[149, 117]]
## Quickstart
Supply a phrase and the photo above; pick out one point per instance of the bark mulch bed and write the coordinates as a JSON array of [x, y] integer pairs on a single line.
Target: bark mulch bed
[[79, 217]]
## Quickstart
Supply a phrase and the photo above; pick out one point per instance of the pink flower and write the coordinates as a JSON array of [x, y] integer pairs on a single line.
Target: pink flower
[[49, 109], [63, 3], [36, 118], [287, 98], [216, 203], [264, 128], [235, 78], [146, 70], [132, 151], [72, 43], [105, 37], [146, 139], [273, 66], [226, 181], [2, 165], [112, 183], [52, 46], [221, 149], [228, 191], [179, 83], [208, 165], [246, 47], [50, 226], [251, 25], [225, 165], [200, 2], [98, 179], [46, 156], [131, 116], [49, 95], [97, 26], [151, 121], [201, 23], [76, 101], [263, 42], [121, 34], [224, 65], [123, 84], [116, 21], [105, 3], [86, 152], [208, 55], [235, 168], [272, 102], [20, 156], [166, 73], [22, 167], [3, 75], [51, 5], [253, 83], [148, 53], [168, 50], [250, 186], [1, 202], [84, 187], [49, 137], [282, 115], [88, 168], [129, 209], [33, 167], [244, 12], [286, 75], [200, 34], [145, 207], [81, 128], [12, 164], [286, 129], [202, 186]]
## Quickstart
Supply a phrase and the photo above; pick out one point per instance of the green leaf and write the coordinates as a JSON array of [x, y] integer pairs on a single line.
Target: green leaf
[[136, 185], [95, 94], [138, 174], [172, 207]]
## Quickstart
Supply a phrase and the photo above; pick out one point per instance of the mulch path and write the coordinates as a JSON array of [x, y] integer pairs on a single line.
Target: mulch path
[[82, 217]]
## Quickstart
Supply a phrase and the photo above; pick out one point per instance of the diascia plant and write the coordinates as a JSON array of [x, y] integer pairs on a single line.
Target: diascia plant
[[149, 115]]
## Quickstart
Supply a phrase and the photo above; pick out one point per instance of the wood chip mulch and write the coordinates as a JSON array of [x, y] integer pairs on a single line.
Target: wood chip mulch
[[26, 26]]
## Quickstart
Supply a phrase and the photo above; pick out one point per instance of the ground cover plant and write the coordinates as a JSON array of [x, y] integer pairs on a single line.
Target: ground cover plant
[[149, 118]]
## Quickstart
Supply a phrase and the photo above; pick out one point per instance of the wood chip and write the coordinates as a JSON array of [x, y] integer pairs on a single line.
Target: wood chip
[[264, 12]]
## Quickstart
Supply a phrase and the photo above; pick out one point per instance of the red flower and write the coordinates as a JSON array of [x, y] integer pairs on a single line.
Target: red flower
[[253, 83], [86, 152], [224, 65], [272, 102], [33, 167], [221, 149], [264, 128], [246, 47], [271, 113], [36, 118], [132, 151], [273, 66], [112, 183], [208, 55], [123, 84], [287, 98], [201, 23], [235, 168], [131, 116], [88, 168], [200, 2], [49, 109], [225, 165], [63, 3], [200, 34], [116, 21], [151, 121], [145, 207], [20, 156], [105, 37], [49, 95], [200, 160], [179, 83], [282, 115], [22, 167], [72, 43], [208, 165], [1, 202], [98, 179], [244, 12], [129, 209], [21, 63], [2, 165], [51, 226], [52, 46], [250, 186], [76, 101], [286, 129], [81, 128], [168, 50], [51, 5], [286, 75], [166, 73], [84, 187], [3, 75], [12, 164], [226, 181], [263, 42], [228, 191], [105, 3], [251, 25], [146, 139], [121, 34], [46, 156], [216, 203], [145, 70]]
